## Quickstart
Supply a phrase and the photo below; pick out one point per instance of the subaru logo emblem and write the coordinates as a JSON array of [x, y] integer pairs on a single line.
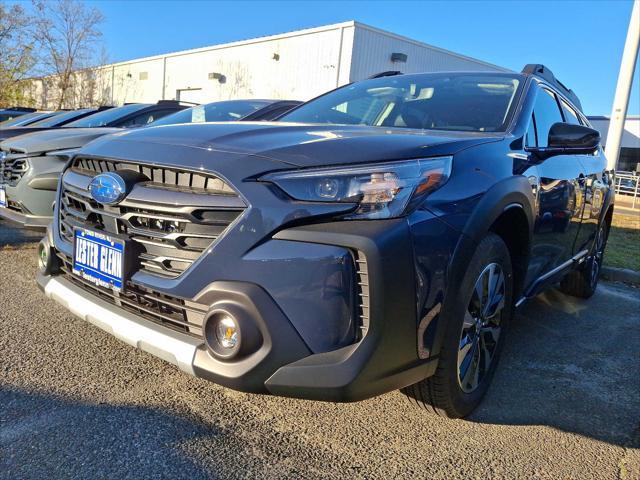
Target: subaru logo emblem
[[108, 188]]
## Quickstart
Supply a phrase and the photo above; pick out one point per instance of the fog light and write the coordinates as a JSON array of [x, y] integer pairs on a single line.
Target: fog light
[[227, 332], [47, 261], [222, 334], [43, 257]]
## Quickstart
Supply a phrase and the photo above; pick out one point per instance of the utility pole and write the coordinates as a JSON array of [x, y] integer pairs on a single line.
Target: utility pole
[[623, 89]]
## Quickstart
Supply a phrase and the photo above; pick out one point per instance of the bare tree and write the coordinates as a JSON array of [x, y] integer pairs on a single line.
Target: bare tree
[[16, 52], [68, 34]]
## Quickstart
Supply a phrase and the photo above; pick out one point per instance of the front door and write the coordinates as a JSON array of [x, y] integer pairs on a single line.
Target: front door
[[561, 187], [595, 186]]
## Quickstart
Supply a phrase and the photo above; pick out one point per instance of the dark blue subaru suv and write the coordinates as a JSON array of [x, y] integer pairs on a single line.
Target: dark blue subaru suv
[[375, 238]]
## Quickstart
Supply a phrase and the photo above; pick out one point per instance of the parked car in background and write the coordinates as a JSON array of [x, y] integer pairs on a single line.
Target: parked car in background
[[375, 238], [60, 119], [31, 164], [27, 119], [12, 112], [271, 111], [231, 110]]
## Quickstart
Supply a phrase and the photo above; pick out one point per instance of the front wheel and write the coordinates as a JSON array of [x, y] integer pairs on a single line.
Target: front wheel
[[474, 334]]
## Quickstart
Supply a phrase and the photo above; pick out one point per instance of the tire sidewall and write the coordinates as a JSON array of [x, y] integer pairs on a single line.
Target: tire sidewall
[[490, 250]]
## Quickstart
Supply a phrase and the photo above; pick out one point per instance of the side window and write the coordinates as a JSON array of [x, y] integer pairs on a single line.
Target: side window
[[570, 115], [530, 137], [547, 113], [362, 110], [146, 118]]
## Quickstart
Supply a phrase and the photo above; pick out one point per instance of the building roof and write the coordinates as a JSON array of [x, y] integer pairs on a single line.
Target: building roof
[[607, 117], [296, 33]]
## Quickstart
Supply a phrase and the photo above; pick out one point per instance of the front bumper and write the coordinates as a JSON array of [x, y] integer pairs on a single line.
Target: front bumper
[[341, 375], [24, 219], [384, 359], [171, 346], [31, 191]]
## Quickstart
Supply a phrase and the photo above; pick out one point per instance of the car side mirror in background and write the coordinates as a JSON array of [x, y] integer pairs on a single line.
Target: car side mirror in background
[[566, 139]]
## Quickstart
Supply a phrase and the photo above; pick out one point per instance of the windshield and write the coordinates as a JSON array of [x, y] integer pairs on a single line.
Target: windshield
[[60, 118], [453, 101], [25, 119], [104, 118], [213, 112]]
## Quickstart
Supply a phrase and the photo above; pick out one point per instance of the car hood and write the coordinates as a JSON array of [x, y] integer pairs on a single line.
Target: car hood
[[15, 131], [54, 139], [302, 145]]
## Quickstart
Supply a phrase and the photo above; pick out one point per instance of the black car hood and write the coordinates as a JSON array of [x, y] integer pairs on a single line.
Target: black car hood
[[302, 145], [54, 139]]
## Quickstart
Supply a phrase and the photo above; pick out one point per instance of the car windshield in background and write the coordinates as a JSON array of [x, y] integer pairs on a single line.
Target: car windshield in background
[[452, 101], [104, 118], [213, 112], [26, 119], [60, 118]]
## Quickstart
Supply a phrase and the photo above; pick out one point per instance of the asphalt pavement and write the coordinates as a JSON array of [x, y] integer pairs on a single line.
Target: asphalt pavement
[[77, 403]]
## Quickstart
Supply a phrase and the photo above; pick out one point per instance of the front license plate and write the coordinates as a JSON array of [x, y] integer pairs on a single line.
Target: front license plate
[[3, 197], [99, 258]]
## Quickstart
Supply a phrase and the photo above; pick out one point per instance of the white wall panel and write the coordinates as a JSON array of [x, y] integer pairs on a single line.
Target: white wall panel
[[373, 48], [306, 66], [128, 85], [630, 135]]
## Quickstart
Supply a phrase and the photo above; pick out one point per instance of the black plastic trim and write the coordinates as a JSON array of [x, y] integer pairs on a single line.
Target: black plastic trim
[[386, 358]]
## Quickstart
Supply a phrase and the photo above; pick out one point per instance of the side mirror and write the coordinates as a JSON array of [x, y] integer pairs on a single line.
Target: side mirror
[[573, 137], [566, 139]]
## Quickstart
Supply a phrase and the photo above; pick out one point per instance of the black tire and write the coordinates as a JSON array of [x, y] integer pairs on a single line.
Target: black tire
[[583, 281], [444, 392]]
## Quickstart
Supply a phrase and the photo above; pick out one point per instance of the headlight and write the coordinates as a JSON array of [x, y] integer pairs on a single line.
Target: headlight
[[381, 190]]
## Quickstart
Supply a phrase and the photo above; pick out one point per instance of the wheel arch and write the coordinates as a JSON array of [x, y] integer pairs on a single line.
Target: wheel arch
[[506, 209]]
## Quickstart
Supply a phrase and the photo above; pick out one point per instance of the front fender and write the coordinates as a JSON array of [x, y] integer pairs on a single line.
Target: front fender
[[512, 192]]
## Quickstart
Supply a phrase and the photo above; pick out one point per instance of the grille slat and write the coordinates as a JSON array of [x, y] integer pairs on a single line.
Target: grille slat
[[159, 175], [12, 168], [163, 309], [362, 291], [170, 238]]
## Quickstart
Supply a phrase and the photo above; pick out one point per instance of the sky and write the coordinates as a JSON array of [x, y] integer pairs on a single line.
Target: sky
[[580, 41]]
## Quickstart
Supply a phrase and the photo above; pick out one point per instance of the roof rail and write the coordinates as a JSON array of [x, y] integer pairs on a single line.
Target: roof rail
[[543, 72], [389, 73]]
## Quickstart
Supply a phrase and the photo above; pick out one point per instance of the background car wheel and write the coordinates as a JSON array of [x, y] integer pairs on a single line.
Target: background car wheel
[[474, 335], [582, 282]]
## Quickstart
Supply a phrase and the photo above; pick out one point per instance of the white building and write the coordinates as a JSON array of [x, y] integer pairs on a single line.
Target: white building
[[297, 65], [629, 159]]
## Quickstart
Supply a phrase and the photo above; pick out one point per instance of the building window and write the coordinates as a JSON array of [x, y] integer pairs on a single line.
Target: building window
[[144, 75], [629, 159]]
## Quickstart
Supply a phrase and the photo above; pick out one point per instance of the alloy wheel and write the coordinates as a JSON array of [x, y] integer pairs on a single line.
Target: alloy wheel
[[481, 328], [598, 254]]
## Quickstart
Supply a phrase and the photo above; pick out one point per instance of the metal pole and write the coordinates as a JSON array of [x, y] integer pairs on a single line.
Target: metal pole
[[623, 89]]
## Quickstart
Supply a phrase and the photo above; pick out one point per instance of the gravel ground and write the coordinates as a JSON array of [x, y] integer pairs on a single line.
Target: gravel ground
[[77, 403]]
